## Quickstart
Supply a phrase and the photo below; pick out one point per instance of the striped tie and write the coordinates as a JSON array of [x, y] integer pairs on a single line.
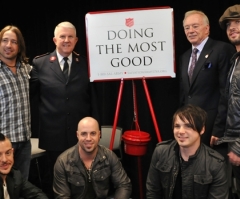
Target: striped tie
[[193, 63]]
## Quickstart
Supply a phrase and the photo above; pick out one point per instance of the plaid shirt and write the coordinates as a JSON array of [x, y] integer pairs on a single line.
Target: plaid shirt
[[15, 119]]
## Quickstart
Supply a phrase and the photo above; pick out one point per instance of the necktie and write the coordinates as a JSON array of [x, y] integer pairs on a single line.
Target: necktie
[[193, 63], [65, 68]]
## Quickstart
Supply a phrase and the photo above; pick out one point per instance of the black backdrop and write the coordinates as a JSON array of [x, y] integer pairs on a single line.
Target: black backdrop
[[37, 23]]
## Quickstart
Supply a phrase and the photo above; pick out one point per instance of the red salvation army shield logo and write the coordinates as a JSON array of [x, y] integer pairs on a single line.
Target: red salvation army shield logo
[[129, 22]]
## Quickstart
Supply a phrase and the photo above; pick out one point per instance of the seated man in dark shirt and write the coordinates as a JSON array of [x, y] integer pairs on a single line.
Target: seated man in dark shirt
[[87, 170], [185, 167], [13, 185]]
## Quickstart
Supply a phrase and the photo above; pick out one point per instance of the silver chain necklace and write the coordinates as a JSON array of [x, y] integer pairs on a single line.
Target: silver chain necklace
[[89, 171]]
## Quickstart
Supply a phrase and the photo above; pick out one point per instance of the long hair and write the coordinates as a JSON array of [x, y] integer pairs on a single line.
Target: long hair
[[20, 42]]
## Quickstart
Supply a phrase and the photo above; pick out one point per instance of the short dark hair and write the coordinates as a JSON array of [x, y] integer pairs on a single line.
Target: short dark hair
[[2, 137], [193, 114]]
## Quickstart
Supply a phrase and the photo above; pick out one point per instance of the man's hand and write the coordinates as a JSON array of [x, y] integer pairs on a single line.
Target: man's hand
[[213, 141], [234, 159]]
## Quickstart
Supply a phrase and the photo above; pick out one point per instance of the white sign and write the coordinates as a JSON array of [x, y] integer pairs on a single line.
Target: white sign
[[130, 44]]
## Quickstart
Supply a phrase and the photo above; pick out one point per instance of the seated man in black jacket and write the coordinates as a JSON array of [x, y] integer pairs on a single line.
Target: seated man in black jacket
[[87, 170], [13, 186], [185, 167]]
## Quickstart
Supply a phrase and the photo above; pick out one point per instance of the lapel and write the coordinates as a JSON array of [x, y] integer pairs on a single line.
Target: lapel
[[10, 185], [185, 63], [206, 51], [55, 67], [74, 66], [1, 189]]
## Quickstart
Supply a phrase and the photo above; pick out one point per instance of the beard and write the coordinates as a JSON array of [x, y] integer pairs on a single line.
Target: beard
[[235, 42]]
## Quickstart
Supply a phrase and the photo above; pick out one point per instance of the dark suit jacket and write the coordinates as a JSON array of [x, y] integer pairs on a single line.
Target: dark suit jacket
[[62, 105], [208, 82], [19, 188]]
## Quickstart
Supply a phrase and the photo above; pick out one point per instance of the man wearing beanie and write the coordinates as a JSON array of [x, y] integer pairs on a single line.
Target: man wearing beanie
[[230, 21]]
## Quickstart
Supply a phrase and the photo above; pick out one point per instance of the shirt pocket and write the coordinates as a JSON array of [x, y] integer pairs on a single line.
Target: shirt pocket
[[102, 178], [6, 90], [165, 174], [201, 186], [77, 184]]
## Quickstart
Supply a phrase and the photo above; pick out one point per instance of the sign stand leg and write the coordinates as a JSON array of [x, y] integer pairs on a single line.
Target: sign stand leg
[[151, 110], [116, 115], [136, 122]]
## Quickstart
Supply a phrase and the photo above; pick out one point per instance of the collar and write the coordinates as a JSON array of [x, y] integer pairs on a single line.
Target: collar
[[201, 45], [177, 151], [75, 156], [18, 64], [235, 56], [60, 57]]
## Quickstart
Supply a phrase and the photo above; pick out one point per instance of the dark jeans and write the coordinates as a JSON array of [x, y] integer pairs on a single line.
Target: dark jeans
[[52, 157], [22, 157], [236, 174]]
